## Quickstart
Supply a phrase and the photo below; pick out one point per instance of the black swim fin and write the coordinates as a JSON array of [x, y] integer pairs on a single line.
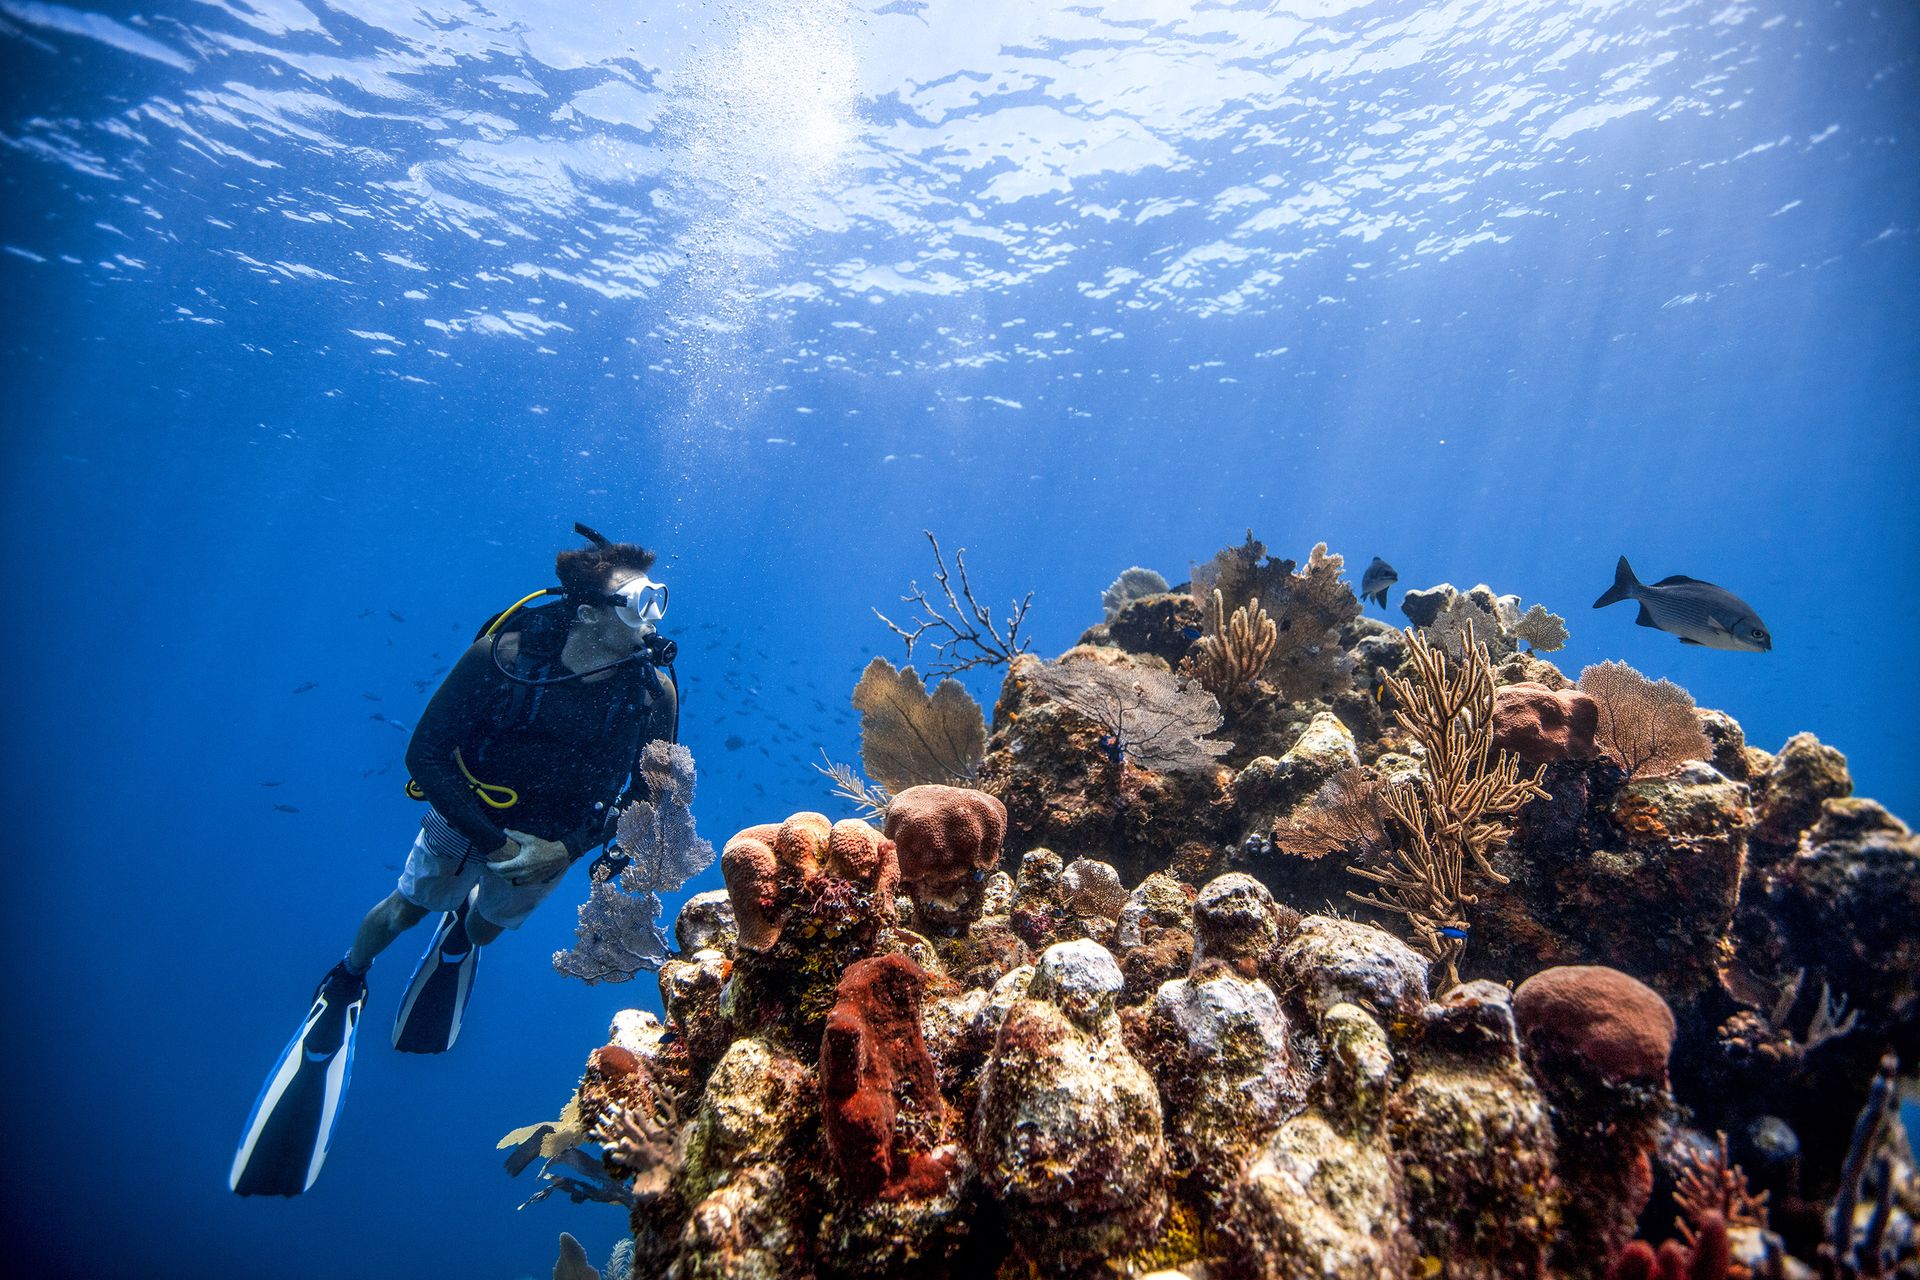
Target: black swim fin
[[292, 1122], [429, 1017]]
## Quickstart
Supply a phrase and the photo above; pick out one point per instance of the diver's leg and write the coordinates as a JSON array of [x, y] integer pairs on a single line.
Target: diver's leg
[[393, 916], [481, 929]]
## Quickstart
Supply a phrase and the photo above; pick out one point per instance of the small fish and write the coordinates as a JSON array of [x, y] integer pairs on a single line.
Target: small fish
[[1374, 582], [364, 613], [377, 715], [1699, 613], [276, 782], [308, 686], [1448, 931], [396, 617], [371, 697], [285, 808], [1191, 633], [734, 742]]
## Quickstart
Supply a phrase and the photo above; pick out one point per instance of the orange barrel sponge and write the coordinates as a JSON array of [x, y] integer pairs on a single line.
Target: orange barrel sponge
[[1596, 1022], [948, 839], [1543, 726]]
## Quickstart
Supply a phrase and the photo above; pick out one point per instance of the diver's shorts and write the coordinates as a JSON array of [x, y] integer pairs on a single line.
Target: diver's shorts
[[435, 880]]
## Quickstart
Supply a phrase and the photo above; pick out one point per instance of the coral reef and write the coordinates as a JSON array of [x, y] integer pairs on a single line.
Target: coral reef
[[1095, 1014]]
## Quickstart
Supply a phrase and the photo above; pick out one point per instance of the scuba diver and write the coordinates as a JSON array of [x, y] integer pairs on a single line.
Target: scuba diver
[[524, 757]]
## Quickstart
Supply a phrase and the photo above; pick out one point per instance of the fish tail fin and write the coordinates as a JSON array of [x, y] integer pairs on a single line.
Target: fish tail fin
[[1623, 584]]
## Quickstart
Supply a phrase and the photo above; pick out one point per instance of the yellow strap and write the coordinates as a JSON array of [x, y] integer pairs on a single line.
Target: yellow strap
[[514, 608], [491, 794]]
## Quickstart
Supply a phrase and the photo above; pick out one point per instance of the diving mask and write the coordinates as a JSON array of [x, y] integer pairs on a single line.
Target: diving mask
[[639, 602]]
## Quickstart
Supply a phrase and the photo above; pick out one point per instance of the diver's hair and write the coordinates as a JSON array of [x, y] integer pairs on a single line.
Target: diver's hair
[[586, 573]]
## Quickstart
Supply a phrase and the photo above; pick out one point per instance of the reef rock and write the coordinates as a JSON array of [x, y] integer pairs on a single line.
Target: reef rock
[[1641, 876], [1046, 763], [1849, 900], [1226, 1075], [1330, 961], [1068, 1129], [1155, 936], [758, 1105], [1324, 1197], [1476, 1141]]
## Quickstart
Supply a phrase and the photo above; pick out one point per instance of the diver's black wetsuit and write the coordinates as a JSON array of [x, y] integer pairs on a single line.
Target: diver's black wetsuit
[[569, 746]]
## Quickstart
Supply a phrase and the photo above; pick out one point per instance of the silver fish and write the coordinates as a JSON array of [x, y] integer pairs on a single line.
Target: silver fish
[[1697, 612], [1374, 582]]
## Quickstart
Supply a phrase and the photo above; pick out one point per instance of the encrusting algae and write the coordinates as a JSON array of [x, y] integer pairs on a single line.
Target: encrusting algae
[[1079, 1005]]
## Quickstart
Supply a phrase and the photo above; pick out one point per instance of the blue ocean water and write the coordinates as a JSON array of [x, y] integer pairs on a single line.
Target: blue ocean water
[[326, 320]]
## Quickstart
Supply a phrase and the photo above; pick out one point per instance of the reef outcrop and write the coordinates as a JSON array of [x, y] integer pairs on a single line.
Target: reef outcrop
[[1112, 1008]]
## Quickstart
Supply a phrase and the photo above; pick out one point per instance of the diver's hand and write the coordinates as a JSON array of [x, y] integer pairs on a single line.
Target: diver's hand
[[538, 860]]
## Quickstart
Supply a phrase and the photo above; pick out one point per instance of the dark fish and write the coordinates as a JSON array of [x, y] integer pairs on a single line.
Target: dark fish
[[396, 617], [274, 783], [309, 685], [734, 742], [1191, 633], [1374, 582], [371, 697], [377, 715], [364, 613], [285, 808], [1697, 612]]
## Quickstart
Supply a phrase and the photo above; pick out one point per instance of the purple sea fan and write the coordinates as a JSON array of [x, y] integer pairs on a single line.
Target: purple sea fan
[[619, 933], [659, 835]]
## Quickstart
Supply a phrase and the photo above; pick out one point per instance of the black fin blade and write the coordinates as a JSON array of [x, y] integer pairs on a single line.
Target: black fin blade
[[1646, 618], [1681, 579]]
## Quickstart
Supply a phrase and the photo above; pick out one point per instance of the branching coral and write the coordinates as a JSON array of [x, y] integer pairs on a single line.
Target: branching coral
[[1150, 717], [907, 737], [1708, 1183], [1307, 608], [963, 634], [1831, 1017], [1446, 815], [1648, 727], [641, 1144], [1235, 649]]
